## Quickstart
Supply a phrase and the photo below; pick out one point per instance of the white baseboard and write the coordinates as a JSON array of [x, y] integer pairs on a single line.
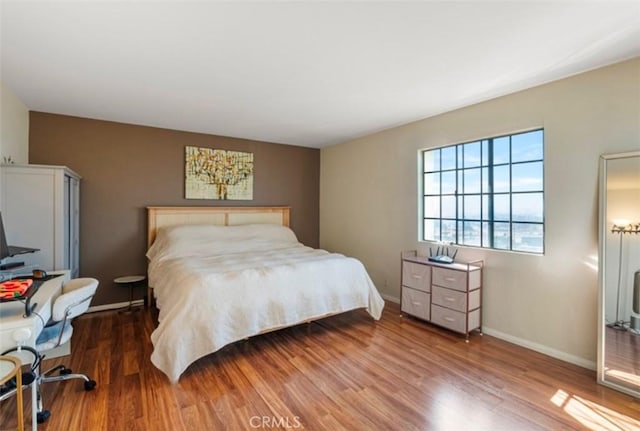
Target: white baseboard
[[558, 354], [115, 306], [390, 298]]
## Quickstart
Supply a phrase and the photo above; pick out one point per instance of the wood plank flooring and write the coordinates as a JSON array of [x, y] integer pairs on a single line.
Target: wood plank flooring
[[346, 372], [622, 357]]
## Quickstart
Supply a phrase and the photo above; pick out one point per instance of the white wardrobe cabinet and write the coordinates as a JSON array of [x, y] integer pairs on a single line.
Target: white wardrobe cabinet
[[41, 209]]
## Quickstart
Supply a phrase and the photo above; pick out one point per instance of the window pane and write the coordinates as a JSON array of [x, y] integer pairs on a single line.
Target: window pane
[[472, 180], [501, 179], [432, 230], [528, 237], [448, 207], [526, 177], [501, 207], [431, 160], [485, 207], [485, 152], [472, 207], [485, 235], [432, 183], [526, 146], [501, 235], [471, 233], [448, 182], [448, 230], [485, 180], [528, 207], [460, 155], [432, 206], [471, 155], [501, 150], [448, 158]]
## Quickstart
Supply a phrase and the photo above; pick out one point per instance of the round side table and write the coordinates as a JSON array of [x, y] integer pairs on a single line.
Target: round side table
[[131, 281]]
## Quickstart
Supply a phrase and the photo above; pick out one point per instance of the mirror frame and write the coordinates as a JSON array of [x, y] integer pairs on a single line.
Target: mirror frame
[[602, 232]]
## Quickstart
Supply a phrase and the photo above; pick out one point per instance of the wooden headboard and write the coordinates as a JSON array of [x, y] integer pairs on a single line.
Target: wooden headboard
[[158, 217]]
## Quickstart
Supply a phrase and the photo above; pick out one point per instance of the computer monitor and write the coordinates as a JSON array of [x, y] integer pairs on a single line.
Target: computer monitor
[[7, 250], [4, 247]]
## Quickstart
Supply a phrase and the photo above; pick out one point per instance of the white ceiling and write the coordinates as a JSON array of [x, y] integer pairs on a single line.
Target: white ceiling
[[302, 73]]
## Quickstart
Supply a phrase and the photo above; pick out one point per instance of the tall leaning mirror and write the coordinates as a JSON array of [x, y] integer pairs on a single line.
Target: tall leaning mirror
[[619, 272]]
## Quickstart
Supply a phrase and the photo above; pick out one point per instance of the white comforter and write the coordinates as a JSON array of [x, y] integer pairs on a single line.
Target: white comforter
[[212, 294]]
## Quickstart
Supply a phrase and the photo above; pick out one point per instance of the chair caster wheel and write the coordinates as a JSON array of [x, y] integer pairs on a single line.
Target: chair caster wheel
[[42, 416], [65, 371], [27, 378], [89, 385]]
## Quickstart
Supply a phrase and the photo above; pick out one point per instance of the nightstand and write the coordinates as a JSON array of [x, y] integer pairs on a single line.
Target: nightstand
[[131, 281]]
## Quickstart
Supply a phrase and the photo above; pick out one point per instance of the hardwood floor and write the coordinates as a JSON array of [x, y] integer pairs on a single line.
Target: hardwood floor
[[342, 373], [622, 357]]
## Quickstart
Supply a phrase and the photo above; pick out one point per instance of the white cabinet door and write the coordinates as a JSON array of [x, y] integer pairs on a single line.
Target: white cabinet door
[[74, 227], [27, 212]]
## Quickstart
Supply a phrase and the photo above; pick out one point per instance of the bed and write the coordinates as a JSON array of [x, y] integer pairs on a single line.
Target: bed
[[223, 274]]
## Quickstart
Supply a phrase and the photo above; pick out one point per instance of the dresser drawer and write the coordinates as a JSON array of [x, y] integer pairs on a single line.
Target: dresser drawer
[[449, 298], [455, 299], [416, 303], [416, 276], [447, 318], [450, 278], [454, 320]]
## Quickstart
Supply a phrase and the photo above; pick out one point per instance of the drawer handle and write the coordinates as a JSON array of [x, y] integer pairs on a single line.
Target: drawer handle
[[448, 298], [417, 277], [450, 279], [416, 303], [449, 319]]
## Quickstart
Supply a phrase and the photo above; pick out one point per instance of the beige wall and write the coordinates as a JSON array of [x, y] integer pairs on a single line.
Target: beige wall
[[368, 203], [126, 168], [14, 128]]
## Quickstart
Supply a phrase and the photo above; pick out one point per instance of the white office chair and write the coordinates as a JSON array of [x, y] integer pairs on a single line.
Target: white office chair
[[74, 301]]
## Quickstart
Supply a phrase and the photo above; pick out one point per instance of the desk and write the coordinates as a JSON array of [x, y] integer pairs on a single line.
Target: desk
[[13, 325], [12, 322]]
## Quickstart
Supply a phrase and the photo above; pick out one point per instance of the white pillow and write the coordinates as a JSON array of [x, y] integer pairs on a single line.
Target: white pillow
[[210, 240]]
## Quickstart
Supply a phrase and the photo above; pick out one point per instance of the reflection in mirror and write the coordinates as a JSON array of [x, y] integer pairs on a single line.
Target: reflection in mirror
[[619, 338]]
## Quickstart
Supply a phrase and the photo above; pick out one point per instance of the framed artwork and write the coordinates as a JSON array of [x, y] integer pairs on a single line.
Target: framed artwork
[[218, 174]]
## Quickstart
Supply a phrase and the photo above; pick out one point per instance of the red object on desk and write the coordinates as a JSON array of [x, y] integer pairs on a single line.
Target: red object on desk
[[14, 288]]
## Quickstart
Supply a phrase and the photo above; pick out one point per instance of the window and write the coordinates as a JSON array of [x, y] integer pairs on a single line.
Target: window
[[488, 193]]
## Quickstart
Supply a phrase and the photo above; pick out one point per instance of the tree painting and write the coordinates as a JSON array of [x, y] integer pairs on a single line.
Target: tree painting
[[218, 174]]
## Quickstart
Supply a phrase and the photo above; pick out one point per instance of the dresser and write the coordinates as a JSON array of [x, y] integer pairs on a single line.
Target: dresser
[[41, 209], [447, 295]]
